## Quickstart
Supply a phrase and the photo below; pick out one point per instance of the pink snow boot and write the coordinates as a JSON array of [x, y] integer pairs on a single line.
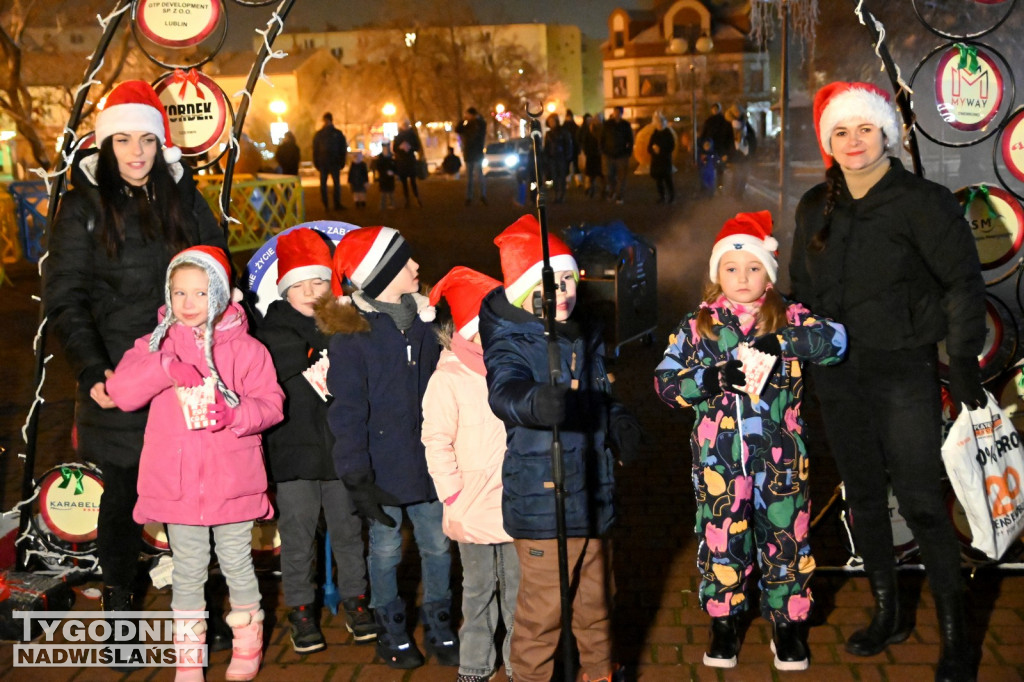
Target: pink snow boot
[[189, 647], [247, 644]]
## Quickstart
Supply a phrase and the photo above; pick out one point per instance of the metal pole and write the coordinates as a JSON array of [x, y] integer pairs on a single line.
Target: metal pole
[[554, 375], [693, 113], [784, 114]]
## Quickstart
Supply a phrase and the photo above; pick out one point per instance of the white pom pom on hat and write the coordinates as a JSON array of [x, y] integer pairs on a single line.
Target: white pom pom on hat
[[134, 106], [751, 232]]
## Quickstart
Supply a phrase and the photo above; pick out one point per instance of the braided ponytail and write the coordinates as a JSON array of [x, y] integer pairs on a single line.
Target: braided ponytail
[[834, 183]]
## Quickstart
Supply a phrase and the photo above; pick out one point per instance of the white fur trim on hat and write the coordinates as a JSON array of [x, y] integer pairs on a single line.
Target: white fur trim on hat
[[131, 117], [859, 103], [517, 291], [762, 249], [373, 256], [469, 330], [302, 273]]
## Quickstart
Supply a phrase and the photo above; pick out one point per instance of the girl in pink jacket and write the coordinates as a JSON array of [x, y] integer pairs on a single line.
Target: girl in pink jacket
[[211, 389], [465, 448]]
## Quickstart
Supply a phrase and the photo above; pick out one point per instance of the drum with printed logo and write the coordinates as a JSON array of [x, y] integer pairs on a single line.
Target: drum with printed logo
[[904, 544], [154, 539], [266, 546], [68, 506]]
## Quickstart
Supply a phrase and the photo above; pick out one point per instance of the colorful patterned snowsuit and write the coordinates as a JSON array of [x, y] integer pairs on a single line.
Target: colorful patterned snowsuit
[[749, 461]]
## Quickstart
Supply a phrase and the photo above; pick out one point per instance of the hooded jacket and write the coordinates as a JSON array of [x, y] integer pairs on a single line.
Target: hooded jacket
[[98, 306], [378, 376], [900, 268], [201, 477], [465, 447], [300, 446], [516, 357]]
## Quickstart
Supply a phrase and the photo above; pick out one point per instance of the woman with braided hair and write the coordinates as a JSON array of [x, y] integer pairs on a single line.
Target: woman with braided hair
[[890, 256]]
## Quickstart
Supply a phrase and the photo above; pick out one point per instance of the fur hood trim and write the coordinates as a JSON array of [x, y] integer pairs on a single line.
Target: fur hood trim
[[339, 316]]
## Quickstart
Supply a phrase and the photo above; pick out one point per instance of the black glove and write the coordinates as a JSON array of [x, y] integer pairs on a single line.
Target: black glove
[[628, 437], [769, 343], [368, 497], [729, 373], [549, 405], [965, 382]]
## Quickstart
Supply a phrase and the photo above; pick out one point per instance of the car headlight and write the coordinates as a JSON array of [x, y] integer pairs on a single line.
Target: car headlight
[[484, 162], [511, 161]]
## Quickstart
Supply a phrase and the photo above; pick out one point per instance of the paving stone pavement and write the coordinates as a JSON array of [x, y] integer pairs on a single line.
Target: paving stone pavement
[[659, 629]]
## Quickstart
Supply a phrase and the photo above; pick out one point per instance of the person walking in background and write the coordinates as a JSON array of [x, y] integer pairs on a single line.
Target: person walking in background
[[520, 393], [573, 128], [746, 148], [288, 155], [299, 449], [204, 473], [330, 151], [749, 459], [890, 255], [407, 149], [465, 446], [717, 129], [358, 179], [132, 206], [590, 143], [382, 352], [616, 148], [384, 170], [660, 147], [707, 167], [558, 146], [472, 132]]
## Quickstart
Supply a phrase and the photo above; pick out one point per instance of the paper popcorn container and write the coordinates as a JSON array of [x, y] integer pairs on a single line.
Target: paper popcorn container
[[757, 367], [195, 402], [316, 375]]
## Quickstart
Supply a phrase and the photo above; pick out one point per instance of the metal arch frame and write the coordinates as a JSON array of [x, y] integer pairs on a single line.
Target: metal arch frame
[[966, 36]]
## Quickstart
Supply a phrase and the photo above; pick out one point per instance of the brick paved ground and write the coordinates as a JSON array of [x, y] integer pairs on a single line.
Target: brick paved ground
[[660, 630]]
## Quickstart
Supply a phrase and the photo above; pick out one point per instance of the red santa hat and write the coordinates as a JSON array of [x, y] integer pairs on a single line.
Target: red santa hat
[[522, 257], [214, 262], [370, 258], [751, 232], [301, 254], [132, 106], [464, 289], [840, 101]]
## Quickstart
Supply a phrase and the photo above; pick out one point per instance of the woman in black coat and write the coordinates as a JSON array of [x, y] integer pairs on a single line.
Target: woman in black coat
[[660, 147], [407, 148], [132, 208], [890, 256]]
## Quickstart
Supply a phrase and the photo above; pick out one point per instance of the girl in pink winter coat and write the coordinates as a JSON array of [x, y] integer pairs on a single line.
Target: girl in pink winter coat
[[204, 472], [465, 449]]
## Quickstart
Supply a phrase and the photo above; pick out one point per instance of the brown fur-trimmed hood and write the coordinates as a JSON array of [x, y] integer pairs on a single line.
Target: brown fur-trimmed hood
[[339, 316]]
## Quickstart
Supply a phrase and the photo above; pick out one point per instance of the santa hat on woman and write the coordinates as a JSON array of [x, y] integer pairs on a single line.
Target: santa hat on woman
[[214, 262], [840, 101], [134, 106], [464, 289], [522, 257], [370, 258], [750, 232], [301, 254]]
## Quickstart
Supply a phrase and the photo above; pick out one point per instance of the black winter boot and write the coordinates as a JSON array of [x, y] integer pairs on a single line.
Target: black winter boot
[[393, 642], [789, 646], [956, 657], [725, 643], [887, 625], [439, 638], [114, 599]]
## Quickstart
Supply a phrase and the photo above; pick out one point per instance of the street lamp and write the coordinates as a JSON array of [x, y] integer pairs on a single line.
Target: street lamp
[[278, 128], [390, 128], [680, 47]]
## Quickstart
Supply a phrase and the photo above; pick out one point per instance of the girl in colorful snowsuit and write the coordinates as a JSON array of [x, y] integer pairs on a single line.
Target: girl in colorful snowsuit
[[208, 474], [749, 458]]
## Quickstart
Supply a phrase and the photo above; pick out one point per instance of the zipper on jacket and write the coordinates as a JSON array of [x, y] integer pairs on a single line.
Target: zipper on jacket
[[408, 351]]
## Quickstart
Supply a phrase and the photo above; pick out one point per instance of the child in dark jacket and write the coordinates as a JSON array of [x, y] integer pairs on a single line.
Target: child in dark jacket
[[707, 166], [521, 395], [384, 169], [749, 459], [299, 449], [358, 178], [382, 352]]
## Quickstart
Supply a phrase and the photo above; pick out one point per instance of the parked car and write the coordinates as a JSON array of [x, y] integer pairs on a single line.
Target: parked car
[[503, 157]]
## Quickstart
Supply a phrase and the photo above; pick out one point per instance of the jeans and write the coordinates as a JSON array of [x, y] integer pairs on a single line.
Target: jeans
[[386, 554], [882, 417], [335, 176], [475, 168], [118, 537], [616, 170], [490, 583], [299, 503], [190, 546]]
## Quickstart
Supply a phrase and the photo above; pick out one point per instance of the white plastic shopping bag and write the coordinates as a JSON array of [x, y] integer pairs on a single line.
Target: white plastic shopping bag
[[985, 462]]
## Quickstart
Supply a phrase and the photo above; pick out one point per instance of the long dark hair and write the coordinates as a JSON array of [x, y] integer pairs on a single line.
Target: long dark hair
[[834, 184], [158, 204]]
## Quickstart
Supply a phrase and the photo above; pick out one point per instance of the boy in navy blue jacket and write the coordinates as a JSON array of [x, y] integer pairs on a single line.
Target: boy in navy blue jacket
[[516, 357], [382, 352]]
